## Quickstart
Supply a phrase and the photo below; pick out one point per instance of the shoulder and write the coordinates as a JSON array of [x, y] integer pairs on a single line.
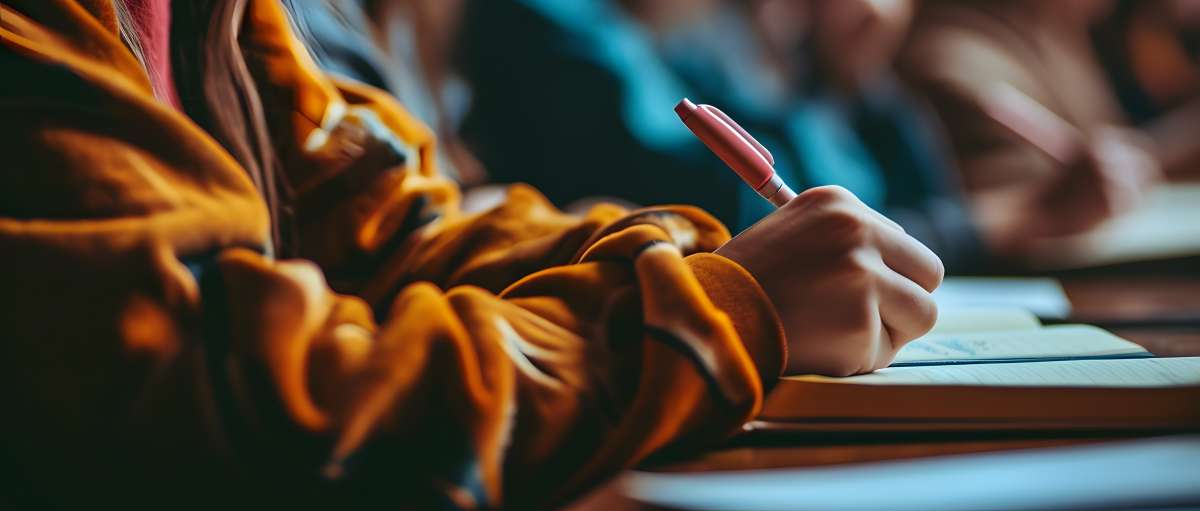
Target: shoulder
[[963, 48]]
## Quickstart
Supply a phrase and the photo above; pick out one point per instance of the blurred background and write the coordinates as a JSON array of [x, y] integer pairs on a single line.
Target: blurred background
[[1004, 134]]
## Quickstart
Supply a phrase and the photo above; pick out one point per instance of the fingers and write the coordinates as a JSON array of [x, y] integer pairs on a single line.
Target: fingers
[[860, 225], [1111, 177], [907, 310], [885, 220], [833, 196], [910, 258], [1076, 201], [1126, 169]]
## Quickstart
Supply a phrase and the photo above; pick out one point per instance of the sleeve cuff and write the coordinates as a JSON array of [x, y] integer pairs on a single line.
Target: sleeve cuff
[[733, 290]]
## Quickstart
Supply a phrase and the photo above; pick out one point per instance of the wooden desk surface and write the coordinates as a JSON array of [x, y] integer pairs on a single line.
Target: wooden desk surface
[[1162, 313]]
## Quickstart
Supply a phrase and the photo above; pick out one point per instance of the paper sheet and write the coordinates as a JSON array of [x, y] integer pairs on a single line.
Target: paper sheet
[[1056, 342], [981, 319], [1140, 372], [1041, 296]]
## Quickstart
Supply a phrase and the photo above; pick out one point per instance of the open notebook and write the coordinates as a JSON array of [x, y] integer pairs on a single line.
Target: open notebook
[[981, 336], [998, 369]]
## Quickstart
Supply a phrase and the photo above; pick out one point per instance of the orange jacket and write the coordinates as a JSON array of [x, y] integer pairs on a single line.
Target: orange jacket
[[508, 358]]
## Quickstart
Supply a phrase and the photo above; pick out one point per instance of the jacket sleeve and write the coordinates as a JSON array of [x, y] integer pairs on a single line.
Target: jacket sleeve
[[371, 208], [503, 359]]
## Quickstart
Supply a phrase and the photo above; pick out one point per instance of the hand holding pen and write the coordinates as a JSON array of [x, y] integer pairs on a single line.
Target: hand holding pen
[[849, 285]]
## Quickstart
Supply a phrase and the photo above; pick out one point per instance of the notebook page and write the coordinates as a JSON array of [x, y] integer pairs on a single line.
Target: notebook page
[[1056, 342], [1042, 296], [1140, 372], [955, 320]]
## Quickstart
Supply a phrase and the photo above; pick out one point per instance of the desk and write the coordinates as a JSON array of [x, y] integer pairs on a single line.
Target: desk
[[1162, 313]]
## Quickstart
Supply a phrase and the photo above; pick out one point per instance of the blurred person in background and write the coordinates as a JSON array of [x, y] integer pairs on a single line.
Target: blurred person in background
[[957, 56], [817, 74], [1150, 52], [573, 98], [593, 81]]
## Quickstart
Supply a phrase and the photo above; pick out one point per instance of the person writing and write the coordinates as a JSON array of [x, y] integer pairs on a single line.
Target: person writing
[[1150, 53], [962, 53], [818, 75], [236, 279]]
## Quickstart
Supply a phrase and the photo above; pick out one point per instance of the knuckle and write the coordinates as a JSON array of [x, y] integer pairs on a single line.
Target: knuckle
[[859, 320], [920, 316], [828, 194], [845, 227], [854, 270]]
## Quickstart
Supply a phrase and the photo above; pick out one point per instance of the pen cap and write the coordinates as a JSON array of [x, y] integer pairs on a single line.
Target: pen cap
[[685, 108], [749, 159]]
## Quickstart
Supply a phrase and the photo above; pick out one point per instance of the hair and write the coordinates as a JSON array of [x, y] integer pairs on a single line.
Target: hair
[[129, 34], [217, 91]]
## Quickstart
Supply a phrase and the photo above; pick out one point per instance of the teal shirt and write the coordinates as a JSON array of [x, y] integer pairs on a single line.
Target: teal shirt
[[822, 132]]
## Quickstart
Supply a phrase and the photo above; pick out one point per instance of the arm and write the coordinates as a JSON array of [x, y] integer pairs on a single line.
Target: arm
[[1018, 191], [371, 207], [954, 69], [151, 356], [155, 357]]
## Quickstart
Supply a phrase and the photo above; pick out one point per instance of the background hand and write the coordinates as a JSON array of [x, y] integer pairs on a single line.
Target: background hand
[[1111, 175]]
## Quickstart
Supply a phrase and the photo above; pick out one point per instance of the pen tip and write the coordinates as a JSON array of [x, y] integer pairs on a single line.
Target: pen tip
[[684, 108]]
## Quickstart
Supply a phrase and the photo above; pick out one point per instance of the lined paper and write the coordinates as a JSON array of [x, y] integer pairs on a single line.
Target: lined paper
[[1068, 341], [1042, 296], [1141, 372], [982, 319]]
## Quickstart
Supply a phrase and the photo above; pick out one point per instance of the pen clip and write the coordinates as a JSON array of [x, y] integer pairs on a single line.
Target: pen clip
[[741, 131]]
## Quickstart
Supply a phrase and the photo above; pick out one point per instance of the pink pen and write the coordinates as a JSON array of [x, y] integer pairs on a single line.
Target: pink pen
[[752, 162], [1034, 123]]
